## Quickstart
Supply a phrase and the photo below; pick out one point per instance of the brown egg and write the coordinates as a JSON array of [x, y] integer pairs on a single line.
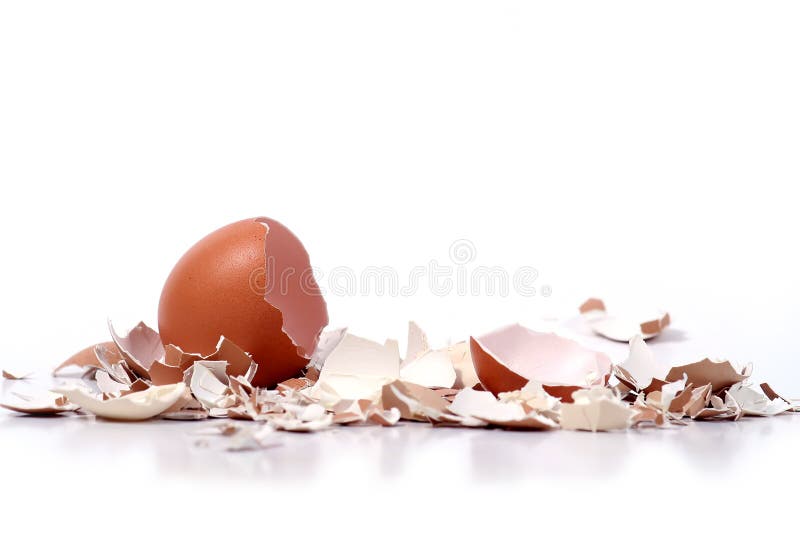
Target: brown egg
[[251, 282]]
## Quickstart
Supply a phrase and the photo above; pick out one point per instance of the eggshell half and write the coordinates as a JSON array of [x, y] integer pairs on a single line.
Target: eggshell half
[[508, 358], [251, 282]]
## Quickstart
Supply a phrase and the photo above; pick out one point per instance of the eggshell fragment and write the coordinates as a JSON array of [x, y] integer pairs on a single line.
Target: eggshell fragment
[[185, 415], [432, 369], [347, 412], [87, 357], [140, 347], [466, 376], [305, 419], [15, 375], [47, 403], [108, 385], [238, 361], [641, 367], [176, 362], [137, 386], [771, 394], [358, 368], [508, 358], [596, 410], [295, 384], [754, 402], [117, 369], [162, 374], [697, 401], [209, 387], [328, 341], [251, 282], [134, 407], [363, 411], [423, 366], [247, 405], [414, 402], [484, 406], [186, 408], [417, 342], [666, 395], [646, 414], [388, 417], [719, 374], [720, 410], [623, 327], [533, 397]]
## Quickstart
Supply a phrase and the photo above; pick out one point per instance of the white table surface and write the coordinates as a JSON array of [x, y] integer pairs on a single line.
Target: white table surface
[[717, 473]]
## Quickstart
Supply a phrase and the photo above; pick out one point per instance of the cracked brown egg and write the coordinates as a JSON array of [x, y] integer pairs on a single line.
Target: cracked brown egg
[[250, 281]]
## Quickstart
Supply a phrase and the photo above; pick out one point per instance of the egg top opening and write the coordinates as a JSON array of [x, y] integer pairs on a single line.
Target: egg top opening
[[290, 286]]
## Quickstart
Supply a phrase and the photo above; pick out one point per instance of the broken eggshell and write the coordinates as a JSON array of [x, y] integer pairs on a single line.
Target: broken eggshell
[[424, 366], [466, 377], [15, 375], [484, 406], [641, 368], [209, 385], [140, 347], [136, 406], [596, 410], [46, 403], [772, 394], [414, 402], [250, 281], [328, 340], [720, 374], [87, 357], [432, 369], [358, 368], [757, 403], [625, 326], [508, 358]]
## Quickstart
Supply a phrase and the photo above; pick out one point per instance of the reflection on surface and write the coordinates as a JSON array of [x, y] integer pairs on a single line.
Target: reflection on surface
[[170, 448]]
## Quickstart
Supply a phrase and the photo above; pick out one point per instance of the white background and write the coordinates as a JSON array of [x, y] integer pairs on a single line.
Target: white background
[[628, 150]]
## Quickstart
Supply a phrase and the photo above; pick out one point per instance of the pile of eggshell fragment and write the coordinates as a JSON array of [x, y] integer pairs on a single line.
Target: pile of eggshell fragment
[[512, 378]]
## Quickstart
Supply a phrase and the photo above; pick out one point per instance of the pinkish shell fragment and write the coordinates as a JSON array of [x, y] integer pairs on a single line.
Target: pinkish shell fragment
[[508, 358], [140, 347]]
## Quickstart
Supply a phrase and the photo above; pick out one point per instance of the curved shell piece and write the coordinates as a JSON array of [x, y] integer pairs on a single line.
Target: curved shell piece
[[508, 358]]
